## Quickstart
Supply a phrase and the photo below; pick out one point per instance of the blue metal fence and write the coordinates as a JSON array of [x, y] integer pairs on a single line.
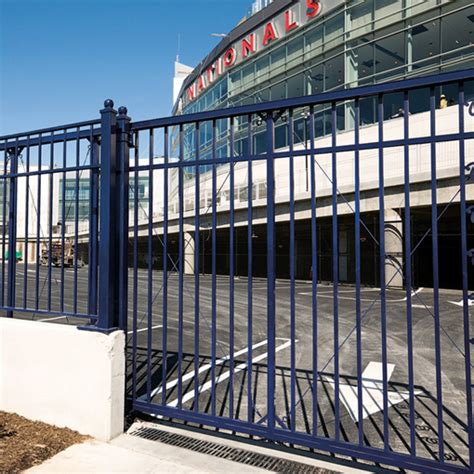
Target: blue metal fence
[[37, 165], [173, 245]]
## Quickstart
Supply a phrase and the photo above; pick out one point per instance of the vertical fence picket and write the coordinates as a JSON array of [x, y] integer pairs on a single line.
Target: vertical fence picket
[[271, 309]]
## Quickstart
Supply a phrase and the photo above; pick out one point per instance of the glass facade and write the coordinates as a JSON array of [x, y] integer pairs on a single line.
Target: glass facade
[[84, 196], [70, 200], [359, 43]]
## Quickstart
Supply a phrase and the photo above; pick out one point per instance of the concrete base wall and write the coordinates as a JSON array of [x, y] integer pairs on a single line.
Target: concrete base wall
[[63, 376]]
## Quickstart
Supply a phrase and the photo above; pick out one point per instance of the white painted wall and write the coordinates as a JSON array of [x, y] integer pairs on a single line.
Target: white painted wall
[[63, 376], [30, 189], [447, 164]]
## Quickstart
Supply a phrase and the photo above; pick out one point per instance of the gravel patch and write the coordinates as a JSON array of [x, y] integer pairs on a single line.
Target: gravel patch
[[25, 443]]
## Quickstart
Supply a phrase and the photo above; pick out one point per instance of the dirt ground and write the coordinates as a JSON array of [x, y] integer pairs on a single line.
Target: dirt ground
[[25, 443]]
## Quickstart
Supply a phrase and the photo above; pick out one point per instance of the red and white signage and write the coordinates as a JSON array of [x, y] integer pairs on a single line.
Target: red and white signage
[[264, 36]]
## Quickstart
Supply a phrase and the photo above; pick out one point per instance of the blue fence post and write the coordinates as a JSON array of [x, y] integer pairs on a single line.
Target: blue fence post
[[12, 221], [123, 150], [108, 317]]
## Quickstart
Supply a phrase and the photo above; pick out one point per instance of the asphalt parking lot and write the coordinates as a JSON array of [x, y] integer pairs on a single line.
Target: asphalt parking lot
[[230, 384]]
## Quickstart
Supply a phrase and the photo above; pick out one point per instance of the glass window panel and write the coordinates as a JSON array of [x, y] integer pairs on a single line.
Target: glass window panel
[[361, 17], [296, 86], [300, 130], [294, 52], [327, 119], [419, 101], [449, 6], [365, 58], [222, 151], [387, 12], [235, 81], [263, 94], [421, 6], [278, 91], [221, 127], [333, 32], [315, 79], [367, 111], [243, 194], [243, 146], [393, 104], [262, 68], [224, 89], [277, 60], [335, 72], [341, 112], [469, 90], [281, 136], [390, 56], [314, 42], [248, 75], [426, 43], [458, 32], [260, 143], [319, 124]]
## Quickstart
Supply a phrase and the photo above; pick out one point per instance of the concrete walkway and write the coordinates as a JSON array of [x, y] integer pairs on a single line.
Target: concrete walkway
[[133, 454], [130, 454]]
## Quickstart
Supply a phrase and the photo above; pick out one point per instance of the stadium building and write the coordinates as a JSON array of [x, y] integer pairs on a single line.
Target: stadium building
[[292, 48]]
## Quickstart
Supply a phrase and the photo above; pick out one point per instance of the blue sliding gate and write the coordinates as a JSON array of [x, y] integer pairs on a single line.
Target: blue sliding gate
[[296, 271]]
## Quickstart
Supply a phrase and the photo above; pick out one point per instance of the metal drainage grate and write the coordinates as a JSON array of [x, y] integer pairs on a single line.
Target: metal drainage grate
[[225, 452]]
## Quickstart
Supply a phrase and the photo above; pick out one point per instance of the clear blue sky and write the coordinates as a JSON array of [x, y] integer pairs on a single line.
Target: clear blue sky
[[59, 59]]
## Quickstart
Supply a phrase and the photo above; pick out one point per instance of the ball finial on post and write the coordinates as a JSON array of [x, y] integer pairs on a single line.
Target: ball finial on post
[[109, 104], [123, 110]]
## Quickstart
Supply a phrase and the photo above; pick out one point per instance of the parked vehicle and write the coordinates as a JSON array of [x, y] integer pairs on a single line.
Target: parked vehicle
[[19, 256], [57, 254]]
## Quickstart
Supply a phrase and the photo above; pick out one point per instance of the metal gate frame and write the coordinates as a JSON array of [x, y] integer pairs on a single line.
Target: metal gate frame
[[275, 429]]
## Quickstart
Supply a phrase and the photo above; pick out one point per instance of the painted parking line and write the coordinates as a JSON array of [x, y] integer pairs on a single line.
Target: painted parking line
[[204, 368], [461, 303], [221, 378], [145, 329], [372, 392], [414, 293], [330, 295]]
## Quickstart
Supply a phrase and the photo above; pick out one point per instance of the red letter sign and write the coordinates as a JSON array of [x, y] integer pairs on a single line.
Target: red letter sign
[[210, 74], [201, 85], [270, 34], [248, 46], [289, 25], [229, 57], [313, 8], [192, 92]]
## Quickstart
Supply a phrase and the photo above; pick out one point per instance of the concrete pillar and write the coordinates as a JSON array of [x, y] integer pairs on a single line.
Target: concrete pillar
[[32, 252], [393, 249], [189, 253]]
